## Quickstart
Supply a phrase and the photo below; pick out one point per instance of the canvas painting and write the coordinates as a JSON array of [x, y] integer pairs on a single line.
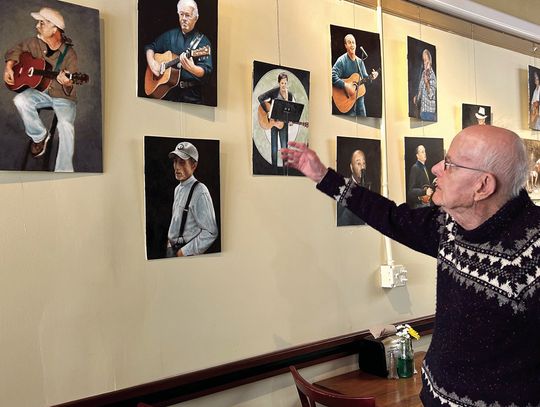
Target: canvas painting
[[475, 114], [422, 71], [356, 72], [534, 97], [182, 196], [421, 154], [178, 54], [50, 108], [280, 111], [533, 154], [359, 160]]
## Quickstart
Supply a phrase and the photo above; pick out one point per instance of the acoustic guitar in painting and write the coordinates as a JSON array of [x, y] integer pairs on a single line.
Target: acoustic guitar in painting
[[267, 123], [36, 73], [344, 102], [169, 72]]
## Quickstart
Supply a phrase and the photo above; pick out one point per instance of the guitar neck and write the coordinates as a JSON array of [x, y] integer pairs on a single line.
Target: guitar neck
[[51, 74], [172, 62], [46, 74]]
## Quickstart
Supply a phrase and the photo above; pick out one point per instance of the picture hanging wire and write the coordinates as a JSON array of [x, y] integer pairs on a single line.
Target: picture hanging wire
[[384, 134], [474, 65], [420, 33], [278, 33]]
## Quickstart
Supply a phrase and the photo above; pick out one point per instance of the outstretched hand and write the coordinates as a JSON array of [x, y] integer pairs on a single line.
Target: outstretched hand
[[301, 157]]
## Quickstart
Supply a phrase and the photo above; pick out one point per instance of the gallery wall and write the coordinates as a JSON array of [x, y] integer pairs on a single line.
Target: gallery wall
[[83, 312]]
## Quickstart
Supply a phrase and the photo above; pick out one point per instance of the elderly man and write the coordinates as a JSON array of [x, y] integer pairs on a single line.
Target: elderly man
[[194, 70], [51, 44], [485, 233], [426, 97]]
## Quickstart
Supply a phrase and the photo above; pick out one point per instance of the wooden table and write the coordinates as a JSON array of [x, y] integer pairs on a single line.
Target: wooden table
[[387, 392]]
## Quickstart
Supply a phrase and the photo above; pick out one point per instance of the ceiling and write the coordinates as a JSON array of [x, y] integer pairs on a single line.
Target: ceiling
[[513, 17], [528, 10]]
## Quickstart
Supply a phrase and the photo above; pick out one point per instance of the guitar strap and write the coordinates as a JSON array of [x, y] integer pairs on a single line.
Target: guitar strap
[[61, 57], [186, 210], [358, 67], [195, 41]]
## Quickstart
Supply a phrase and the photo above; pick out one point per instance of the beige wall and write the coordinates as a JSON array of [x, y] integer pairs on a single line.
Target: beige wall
[[81, 310]]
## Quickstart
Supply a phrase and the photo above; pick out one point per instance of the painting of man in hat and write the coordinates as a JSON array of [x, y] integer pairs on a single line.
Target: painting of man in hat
[[50, 109], [475, 114], [182, 197]]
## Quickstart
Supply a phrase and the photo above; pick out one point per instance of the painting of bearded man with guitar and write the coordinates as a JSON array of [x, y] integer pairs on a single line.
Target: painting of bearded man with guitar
[[53, 86], [179, 60], [349, 76]]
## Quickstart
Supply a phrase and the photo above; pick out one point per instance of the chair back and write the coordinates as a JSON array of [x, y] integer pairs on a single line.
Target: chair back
[[310, 394]]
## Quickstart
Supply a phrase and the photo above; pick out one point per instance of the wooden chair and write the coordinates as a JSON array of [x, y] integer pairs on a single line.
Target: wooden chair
[[309, 395]]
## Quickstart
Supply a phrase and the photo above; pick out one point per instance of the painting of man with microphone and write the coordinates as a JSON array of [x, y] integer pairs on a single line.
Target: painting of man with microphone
[[350, 75]]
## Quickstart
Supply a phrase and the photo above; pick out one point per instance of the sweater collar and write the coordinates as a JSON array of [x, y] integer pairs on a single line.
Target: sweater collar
[[500, 221]]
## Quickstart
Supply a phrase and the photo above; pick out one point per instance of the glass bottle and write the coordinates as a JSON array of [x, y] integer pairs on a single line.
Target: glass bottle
[[405, 358], [392, 366]]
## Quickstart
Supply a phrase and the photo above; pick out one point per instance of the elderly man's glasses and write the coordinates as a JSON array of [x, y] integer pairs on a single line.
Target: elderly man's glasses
[[449, 164]]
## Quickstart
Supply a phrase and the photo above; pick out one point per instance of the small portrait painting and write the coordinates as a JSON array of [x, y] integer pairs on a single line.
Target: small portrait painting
[[534, 97], [280, 111], [359, 160], [356, 70], [475, 114], [182, 195], [533, 154], [421, 154], [50, 106], [178, 51], [422, 67]]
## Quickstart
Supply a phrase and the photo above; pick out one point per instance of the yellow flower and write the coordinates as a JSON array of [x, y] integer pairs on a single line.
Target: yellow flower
[[413, 333]]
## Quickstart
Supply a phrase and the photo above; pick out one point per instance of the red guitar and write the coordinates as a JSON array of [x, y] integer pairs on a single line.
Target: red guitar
[[36, 73]]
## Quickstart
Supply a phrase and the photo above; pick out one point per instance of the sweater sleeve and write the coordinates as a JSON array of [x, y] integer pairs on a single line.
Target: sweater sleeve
[[419, 229]]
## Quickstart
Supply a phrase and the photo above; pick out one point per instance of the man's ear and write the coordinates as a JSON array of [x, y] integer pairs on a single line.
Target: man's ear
[[486, 186]]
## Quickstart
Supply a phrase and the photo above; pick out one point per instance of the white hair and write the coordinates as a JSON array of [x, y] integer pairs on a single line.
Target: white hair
[[509, 166], [188, 3]]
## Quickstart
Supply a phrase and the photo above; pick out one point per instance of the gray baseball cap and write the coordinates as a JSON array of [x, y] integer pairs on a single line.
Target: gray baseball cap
[[185, 150], [51, 15]]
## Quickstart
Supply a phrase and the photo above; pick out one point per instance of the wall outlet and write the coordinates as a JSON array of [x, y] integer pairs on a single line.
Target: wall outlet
[[393, 276]]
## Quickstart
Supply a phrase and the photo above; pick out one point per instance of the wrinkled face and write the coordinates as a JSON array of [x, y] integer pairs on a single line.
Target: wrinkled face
[[187, 19], [350, 44], [358, 163], [45, 28], [421, 154], [283, 85], [455, 186], [183, 169]]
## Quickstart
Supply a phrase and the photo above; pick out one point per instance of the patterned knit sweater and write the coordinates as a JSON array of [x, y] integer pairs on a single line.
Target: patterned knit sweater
[[485, 349]]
